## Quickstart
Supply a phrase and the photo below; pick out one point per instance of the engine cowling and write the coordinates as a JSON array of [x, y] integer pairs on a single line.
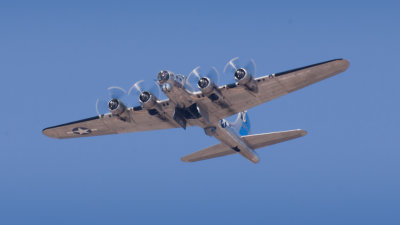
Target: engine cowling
[[243, 77], [210, 89], [116, 107], [147, 99], [206, 85]]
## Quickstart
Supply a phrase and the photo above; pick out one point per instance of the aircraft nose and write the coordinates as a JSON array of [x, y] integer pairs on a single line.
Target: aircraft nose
[[163, 76]]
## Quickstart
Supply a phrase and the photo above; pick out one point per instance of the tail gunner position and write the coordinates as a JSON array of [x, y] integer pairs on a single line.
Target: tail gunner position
[[205, 106]]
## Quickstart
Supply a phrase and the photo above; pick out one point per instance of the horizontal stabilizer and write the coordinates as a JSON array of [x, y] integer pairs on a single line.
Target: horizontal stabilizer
[[256, 141], [253, 141], [214, 151]]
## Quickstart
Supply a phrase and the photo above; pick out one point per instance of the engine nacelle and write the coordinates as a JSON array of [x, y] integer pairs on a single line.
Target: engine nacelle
[[210, 89], [243, 77], [206, 85], [116, 107], [147, 99]]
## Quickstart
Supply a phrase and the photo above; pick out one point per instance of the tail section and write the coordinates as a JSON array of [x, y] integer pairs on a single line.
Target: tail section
[[242, 124], [253, 141]]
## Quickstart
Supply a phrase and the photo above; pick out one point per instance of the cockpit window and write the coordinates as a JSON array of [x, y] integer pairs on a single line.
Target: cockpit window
[[163, 76]]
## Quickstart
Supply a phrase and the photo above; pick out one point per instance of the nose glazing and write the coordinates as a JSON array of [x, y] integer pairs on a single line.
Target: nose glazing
[[162, 76]]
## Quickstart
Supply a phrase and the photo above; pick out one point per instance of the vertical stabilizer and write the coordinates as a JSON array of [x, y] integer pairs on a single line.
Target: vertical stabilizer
[[242, 124]]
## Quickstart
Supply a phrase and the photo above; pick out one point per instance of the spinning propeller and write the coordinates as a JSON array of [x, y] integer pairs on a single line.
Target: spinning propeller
[[234, 66], [145, 92], [113, 102], [198, 80], [140, 93], [243, 73]]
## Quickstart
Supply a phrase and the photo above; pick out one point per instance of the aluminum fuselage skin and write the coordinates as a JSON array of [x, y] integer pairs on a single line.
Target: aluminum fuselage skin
[[176, 92], [229, 136]]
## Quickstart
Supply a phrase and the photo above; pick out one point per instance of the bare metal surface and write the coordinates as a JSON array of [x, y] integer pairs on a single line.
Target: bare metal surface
[[254, 141], [233, 98]]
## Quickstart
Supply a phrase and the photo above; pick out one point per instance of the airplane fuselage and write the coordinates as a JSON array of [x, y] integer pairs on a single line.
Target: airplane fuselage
[[176, 92], [227, 135]]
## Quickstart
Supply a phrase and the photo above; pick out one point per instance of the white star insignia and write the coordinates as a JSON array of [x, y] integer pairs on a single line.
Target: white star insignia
[[81, 130]]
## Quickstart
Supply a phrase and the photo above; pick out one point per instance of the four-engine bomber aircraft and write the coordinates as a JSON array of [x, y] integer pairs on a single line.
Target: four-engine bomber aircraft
[[206, 107]]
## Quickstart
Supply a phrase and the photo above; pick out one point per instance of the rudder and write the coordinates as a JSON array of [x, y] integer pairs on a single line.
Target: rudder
[[242, 124]]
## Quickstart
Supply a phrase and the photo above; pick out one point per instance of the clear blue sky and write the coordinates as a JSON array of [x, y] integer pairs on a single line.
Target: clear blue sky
[[56, 58]]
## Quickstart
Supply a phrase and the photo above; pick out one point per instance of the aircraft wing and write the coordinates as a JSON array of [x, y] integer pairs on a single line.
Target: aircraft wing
[[256, 141], [238, 97], [271, 86], [139, 120], [214, 151]]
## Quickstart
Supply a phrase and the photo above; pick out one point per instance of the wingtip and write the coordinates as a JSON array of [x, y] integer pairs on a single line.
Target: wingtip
[[183, 159], [346, 63], [303, 133], [46, 131], [343, 64]]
